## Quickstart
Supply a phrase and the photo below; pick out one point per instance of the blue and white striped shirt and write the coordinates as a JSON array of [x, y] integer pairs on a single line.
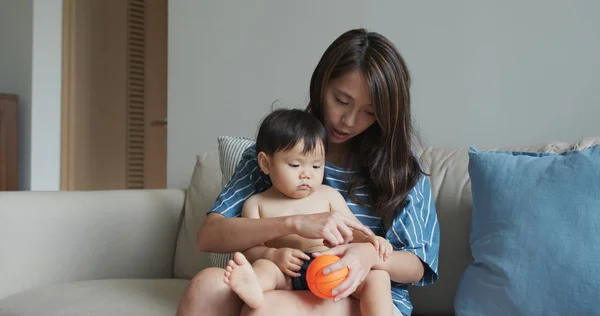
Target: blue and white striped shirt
[[415, 229]]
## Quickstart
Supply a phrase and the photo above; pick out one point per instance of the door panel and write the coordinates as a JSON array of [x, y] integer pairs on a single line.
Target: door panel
[[155, 153], [116, 85]]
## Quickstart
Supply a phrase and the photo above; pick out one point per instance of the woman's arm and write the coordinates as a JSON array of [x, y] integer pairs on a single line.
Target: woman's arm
[[221, 234], [240, 234], [402, 266], [224, 231], [415, 236]]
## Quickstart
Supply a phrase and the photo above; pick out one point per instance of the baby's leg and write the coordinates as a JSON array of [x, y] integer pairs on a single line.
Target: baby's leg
[[250, 281], [375, 294]]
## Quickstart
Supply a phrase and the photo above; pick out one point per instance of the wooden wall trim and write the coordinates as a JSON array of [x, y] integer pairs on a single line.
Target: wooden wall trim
[[66, 170], [9, 143]]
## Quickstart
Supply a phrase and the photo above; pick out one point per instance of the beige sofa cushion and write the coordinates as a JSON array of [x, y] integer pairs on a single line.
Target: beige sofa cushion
[[205, 186], [231, 149], [56, 237], [153, 297]]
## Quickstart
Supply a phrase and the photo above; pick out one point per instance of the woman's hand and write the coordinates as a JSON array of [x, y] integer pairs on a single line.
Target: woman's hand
[[289, 260], [334, 227], [359, 258]]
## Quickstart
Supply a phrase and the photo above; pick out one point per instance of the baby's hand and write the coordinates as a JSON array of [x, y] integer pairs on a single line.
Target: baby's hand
[[382, 245], [289, 260]]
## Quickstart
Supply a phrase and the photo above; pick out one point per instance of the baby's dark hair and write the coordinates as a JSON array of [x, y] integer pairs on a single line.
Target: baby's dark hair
[[283, 129]]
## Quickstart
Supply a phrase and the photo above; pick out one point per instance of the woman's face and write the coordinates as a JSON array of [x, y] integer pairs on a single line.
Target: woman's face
[[347, 111]]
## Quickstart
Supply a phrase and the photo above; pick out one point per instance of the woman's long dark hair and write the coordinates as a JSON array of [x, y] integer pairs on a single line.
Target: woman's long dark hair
[[383, 152]]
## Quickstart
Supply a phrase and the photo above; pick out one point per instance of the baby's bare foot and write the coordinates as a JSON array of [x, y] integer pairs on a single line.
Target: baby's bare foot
[[242, 279]]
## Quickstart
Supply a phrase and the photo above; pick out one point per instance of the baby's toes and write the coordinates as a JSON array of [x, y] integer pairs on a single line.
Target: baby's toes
[[240, 259]]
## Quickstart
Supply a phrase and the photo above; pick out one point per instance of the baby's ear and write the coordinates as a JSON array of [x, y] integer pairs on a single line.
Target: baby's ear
[[263, 162]]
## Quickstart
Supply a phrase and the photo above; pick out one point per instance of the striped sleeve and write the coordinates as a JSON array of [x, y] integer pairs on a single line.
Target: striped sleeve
[[416, 229], [246, 181]]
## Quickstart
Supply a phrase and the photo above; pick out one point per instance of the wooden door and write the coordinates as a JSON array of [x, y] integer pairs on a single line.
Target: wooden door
[[155, 93], [8, 143], [114, 93]]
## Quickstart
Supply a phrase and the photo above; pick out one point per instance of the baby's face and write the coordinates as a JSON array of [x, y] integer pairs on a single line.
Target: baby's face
[[296, 174]]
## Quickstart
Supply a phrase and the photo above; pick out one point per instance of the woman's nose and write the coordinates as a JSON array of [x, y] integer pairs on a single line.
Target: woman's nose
[[349, 117]]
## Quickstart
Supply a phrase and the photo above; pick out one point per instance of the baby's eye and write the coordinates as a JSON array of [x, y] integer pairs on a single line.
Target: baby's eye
[[294, 165], [317, 167]]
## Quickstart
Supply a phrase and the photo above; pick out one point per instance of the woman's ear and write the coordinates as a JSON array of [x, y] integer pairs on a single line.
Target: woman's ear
[[263, 162]]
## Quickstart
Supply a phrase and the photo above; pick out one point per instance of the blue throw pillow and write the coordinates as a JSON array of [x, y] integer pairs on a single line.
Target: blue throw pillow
[[535, 234]]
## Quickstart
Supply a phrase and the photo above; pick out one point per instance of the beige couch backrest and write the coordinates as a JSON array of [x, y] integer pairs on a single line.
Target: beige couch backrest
[[451, 190]]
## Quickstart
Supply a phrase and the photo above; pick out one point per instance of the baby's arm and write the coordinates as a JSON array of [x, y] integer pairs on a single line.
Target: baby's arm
[[251, 209], [287, 259]]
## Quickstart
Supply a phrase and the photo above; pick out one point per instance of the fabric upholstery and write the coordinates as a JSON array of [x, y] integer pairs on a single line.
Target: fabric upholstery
[[124, 297], [451, 188], [205, 185], [534, 234], [230, 154], [57, 237]]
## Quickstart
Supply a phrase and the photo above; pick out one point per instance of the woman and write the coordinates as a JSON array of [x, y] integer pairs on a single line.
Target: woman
[[360, 92]]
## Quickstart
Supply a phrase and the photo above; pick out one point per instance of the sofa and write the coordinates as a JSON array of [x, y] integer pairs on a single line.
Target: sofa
[[131, 252]]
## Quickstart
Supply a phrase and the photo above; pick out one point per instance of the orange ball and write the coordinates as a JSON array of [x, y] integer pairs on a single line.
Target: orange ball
[[321, 284]]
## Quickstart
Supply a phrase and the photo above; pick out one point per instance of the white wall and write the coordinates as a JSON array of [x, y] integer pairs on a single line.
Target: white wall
[[46, 95], [30, 66], [16, 29], [486, 73]]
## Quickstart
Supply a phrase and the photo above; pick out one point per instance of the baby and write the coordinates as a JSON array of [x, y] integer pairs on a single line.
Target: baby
[[291, 147]]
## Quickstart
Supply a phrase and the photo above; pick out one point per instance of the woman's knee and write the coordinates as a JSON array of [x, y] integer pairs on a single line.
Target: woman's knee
[[208, 294], [209, 282]]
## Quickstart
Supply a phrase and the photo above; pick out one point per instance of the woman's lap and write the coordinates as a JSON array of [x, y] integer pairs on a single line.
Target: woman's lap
[[289, 303], [292, 303]]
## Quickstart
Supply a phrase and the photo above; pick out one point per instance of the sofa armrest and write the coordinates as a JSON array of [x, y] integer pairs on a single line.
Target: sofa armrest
[[56, 237]]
